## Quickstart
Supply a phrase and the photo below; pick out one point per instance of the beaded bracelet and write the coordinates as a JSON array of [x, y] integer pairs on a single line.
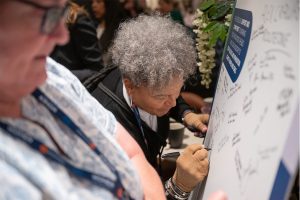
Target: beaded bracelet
[[175, 192]]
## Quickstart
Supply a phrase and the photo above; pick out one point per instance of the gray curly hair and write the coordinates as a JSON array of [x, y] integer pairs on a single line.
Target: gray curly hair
[[152, 50]]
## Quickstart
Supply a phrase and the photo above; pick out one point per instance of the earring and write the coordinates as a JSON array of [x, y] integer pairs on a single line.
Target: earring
[[130, 101]]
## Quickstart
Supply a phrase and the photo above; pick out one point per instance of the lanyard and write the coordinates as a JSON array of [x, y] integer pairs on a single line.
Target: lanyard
[[139, 121], [115, 187], [52, 155]]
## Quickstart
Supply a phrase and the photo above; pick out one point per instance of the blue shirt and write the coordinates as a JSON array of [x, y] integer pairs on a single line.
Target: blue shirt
[[27, 174]]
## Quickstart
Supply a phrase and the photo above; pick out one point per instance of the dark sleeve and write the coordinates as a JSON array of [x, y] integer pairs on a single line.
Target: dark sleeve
[[179, 109], [86, 41]]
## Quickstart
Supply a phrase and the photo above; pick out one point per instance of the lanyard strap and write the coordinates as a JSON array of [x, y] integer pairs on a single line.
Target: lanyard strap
[[58, 113], [116, 188], [52, 155], [139, 121]]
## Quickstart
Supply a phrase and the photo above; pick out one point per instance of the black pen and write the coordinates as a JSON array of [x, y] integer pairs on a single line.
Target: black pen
[[171, 155], [177, 153]]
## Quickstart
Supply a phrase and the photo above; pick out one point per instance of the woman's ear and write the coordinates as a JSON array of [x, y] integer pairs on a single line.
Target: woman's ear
[[128, 85]]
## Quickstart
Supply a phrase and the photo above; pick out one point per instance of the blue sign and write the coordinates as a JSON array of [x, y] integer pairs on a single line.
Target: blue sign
[[238, 42]]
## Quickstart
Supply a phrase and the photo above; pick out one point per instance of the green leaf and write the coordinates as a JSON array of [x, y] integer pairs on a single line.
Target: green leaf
[[224, 32], [206, 5], [211, 11], [216, 34], [210, 26], [220, 11], [213, 40]]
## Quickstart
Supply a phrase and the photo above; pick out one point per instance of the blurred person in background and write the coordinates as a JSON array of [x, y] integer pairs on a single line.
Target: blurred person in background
[[108, 14], [135, 7], [81, 54], [170, 7]]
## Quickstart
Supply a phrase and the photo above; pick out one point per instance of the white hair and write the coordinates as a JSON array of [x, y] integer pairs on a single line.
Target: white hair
[[152, 50]]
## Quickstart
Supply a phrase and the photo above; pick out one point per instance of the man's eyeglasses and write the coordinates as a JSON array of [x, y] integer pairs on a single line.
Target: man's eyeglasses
[[52, 15]]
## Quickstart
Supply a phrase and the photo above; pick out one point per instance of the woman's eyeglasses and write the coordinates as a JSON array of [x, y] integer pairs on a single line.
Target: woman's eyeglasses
[[52, 15]]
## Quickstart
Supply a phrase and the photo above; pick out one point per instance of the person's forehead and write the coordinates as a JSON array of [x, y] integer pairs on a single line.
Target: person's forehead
[[169, 89]]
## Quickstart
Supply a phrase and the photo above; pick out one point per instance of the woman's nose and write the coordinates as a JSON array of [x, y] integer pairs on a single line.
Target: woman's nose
[[61, 34], [171, 102]]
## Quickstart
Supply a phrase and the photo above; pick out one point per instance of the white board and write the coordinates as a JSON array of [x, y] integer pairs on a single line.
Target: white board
[[254, 124]]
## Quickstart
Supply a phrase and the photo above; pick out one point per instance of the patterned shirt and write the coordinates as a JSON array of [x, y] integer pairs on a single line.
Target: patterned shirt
[[27, 174]]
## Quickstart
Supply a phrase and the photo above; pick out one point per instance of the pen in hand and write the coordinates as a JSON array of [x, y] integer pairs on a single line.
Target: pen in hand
[[177, 153]]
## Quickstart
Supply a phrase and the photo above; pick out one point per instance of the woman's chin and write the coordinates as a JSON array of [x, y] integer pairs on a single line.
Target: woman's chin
[[161, 113], [40, 73]]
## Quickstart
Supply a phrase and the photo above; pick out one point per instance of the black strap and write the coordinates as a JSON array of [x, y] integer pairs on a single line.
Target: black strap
[[91, 83], [114, 97]]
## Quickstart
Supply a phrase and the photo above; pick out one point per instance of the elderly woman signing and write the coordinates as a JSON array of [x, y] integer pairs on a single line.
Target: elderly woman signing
[[154, 56]]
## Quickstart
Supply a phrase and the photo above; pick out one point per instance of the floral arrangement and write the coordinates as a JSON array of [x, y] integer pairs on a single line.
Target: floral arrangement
[[211, 23]]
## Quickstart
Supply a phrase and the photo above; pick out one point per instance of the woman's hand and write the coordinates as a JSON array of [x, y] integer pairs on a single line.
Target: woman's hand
[[197, 121], [191, 167]]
